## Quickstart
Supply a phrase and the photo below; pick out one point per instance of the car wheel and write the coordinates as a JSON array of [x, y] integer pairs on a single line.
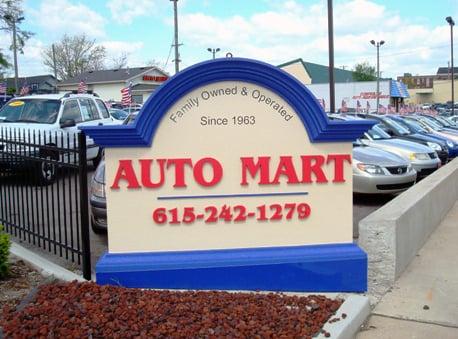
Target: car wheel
[[46, 172], [97, 229]]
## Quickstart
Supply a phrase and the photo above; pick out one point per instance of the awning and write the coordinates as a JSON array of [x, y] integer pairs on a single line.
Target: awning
[[399, 89]]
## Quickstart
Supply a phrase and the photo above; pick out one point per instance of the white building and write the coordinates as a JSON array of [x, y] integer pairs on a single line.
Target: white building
[[108, 83]]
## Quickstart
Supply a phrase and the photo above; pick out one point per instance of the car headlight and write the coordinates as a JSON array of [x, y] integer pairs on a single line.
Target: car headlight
[[450, 144], [434, 146], [419, 156], [371, 169], [98, 189]]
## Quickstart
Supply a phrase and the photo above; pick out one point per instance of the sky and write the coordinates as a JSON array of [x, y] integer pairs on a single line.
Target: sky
[[416, 35]]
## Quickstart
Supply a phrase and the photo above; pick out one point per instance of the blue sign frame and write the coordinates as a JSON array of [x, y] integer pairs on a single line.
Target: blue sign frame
[[318, 126], [313, 268]]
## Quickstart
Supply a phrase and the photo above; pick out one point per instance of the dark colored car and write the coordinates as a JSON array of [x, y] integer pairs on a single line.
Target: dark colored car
[[97, 199], [416, 127], [398, 131]]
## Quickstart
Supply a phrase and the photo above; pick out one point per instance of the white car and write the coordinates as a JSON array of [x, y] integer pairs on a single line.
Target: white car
[[35, 118]]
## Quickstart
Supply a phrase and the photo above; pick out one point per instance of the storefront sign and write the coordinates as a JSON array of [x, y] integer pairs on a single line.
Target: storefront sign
[[154, 78], [233, 172]]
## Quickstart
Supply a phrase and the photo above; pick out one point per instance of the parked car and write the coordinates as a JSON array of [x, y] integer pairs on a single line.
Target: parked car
[[379, 171], [441, 121], [97, 199], [416, 127], [433, 127], [118, 115], [453, 120], [423, 159], [398, 131], [39, 117]]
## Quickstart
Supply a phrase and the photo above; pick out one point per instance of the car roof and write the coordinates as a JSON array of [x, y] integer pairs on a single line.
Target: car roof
[[56, 96]]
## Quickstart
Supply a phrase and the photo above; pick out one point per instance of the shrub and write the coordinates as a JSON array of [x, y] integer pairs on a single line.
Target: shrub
[[5, 244]]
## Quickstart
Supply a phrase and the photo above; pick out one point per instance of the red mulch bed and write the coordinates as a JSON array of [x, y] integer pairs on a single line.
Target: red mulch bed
[[82, 310]]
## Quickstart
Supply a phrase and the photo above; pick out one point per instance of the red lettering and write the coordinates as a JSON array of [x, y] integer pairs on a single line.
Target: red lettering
[[127, 173], [261, 166], [179, 170], [146, 172], [286, 168], [313, 164], [339, 160], [199, 175]]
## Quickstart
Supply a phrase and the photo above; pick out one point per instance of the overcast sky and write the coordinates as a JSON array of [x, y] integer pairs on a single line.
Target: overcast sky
[[416, 33]]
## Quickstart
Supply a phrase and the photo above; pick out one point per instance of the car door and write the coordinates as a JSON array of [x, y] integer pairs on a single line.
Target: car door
[[104, 113], [91, 117], [70, 112]]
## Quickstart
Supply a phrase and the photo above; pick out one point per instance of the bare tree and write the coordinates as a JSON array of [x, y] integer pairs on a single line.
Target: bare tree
[[153, 62], [74, 55], [119, 61]]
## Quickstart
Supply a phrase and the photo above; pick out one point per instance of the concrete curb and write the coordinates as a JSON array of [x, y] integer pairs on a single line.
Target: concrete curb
[[44, 266], [357, 309]]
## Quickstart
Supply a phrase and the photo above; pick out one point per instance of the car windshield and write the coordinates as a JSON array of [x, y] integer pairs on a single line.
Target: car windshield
[[432, 124], [118, 114], [130, 119], [41, 111], [444, 121], [414, 126], [397, 127], [376, 133]]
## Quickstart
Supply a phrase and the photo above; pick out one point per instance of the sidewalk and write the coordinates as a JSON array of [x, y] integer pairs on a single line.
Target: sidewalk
[[424, 301]]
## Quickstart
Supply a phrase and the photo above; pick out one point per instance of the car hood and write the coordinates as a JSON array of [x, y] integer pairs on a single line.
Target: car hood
[[425, 138], [404, 144], [376, 156]]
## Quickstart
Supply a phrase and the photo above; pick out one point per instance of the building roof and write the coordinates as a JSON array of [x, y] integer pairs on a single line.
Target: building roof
[[320, 73], [37, 79], [446, 70], [110, 75]]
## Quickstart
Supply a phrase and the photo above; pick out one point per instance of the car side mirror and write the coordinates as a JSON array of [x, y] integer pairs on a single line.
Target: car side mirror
[[67, 123]]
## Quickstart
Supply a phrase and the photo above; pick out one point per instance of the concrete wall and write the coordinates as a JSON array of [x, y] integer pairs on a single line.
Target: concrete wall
[[394, 234]]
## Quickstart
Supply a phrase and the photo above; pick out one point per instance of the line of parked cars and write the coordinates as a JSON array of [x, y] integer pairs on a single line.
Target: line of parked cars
[[400, 150]]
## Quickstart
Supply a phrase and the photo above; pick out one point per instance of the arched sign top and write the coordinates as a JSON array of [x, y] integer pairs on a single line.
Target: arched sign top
[[318, 127]]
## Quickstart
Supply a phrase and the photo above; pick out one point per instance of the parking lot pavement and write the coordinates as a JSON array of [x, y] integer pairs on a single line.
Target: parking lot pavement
[[365, 204]]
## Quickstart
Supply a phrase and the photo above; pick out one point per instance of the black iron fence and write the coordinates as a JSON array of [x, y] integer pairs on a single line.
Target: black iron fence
[[44, 193]]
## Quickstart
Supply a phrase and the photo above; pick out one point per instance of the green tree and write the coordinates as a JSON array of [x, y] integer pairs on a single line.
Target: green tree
[[74, 55], [364, 72], [11, 15]]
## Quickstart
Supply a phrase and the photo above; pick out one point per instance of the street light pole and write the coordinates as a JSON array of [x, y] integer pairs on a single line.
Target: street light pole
[[213, 51], [377, 94], [175, 17], [452, 23], [332, 100]]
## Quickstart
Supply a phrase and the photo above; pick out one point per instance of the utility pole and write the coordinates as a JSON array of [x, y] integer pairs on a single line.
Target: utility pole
[[332, 99], [452, 23], [16, 75], [54, 64], [177, 55]]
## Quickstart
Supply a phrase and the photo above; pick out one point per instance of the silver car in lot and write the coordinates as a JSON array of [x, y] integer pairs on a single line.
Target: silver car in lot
[[378, 171], [423, 159]]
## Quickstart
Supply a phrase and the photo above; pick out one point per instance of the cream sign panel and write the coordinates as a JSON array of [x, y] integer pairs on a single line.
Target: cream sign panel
[[230, 166]]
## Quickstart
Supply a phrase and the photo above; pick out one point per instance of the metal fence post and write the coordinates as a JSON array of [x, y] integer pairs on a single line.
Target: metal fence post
[[84, 205]]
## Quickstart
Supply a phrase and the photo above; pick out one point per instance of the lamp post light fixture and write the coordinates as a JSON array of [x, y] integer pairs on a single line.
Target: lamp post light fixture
[[213, 51], [452, 23], [377, 45]]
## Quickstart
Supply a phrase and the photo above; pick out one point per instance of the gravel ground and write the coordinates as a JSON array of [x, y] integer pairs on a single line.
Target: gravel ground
[[21, 280], [86, 310]]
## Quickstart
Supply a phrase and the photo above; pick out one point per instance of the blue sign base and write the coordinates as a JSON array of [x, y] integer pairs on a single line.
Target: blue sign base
[[314, 268]]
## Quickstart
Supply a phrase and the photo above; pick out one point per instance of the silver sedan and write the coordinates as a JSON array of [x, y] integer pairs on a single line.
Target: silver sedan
[[379, 171]]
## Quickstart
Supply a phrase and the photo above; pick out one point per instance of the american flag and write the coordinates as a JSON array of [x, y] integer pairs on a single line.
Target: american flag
[[24, 89], [82, 87], [2, 87], [126, 95]]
